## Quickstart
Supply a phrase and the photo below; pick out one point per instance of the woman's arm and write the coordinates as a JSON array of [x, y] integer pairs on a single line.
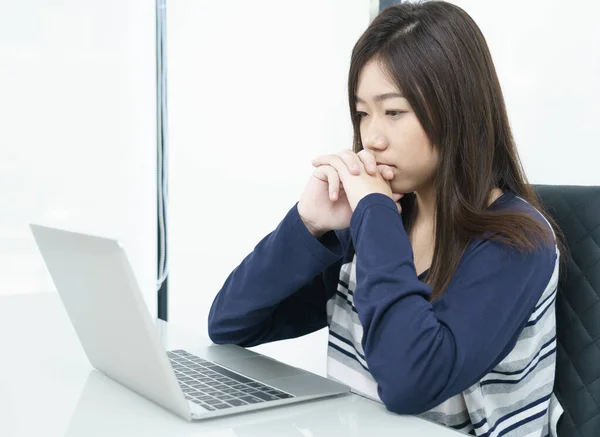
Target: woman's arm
[[280, 290], [422, 353]]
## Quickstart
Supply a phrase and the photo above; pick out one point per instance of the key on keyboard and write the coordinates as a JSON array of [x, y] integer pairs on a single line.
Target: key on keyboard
[[214, 387]]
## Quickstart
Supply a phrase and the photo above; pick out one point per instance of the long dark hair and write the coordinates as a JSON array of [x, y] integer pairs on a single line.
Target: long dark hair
[[438, 58]]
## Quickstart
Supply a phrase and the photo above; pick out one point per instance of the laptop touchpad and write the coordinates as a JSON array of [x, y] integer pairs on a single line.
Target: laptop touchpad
[[261, 368]]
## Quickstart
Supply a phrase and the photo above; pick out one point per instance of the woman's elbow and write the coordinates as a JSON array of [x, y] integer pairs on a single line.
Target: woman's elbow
[[218, 331], [224, 331], [215, 334], [406, 398]]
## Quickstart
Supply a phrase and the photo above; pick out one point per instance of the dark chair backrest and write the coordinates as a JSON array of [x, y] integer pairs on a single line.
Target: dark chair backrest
[[576, 210]]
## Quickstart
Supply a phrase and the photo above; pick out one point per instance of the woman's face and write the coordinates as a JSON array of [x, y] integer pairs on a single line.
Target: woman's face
[[391, 131]]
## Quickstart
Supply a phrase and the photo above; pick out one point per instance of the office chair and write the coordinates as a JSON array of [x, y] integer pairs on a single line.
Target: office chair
[[576, 210]]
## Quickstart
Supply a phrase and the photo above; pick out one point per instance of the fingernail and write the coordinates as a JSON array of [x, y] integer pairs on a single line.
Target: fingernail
[[334, 195]]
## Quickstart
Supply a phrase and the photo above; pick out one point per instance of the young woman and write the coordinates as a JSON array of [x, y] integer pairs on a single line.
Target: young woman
[[423, 249]]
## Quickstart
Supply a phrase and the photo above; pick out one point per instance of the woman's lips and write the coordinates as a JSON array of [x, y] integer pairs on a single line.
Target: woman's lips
[[383, 163]]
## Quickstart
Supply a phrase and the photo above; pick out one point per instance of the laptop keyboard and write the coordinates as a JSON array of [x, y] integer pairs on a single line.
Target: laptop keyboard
[[215, 388]]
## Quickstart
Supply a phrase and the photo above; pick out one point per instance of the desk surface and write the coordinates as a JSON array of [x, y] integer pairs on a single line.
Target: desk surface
[[48, 388]]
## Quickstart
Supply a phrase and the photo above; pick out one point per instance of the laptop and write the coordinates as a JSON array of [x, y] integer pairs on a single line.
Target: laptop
[[102, 298]]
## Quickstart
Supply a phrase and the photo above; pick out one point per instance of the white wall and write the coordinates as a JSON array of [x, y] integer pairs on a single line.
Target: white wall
[[547, 54], [257, 89], [77, 119]]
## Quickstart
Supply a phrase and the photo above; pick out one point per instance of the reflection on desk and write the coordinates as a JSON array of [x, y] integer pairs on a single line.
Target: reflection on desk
[[107, 408], [48, 388]]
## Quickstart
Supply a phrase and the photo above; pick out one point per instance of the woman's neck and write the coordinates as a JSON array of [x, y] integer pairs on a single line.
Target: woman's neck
[[425, 202]]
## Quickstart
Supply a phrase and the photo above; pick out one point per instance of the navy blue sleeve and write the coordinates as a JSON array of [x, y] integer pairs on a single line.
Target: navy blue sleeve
[[280, 290], [423, 353]]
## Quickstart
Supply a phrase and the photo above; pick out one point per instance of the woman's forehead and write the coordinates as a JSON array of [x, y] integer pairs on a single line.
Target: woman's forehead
[[374, 81]]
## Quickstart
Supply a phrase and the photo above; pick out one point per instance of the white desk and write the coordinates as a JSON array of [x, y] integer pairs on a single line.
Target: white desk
[[48, 388]]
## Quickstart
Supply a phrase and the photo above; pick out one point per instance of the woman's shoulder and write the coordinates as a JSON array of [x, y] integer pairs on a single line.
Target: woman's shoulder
[[492, 261], [544, 254], [511, 201]]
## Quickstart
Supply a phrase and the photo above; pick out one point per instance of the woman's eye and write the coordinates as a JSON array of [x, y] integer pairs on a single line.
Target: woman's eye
[[361, 115], [394, 113]]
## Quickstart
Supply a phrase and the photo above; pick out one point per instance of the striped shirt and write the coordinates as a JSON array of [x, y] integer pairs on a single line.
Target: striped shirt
[[514, 399], [480, 358]]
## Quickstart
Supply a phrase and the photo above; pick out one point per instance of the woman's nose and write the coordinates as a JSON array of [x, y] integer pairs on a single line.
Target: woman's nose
[[376, 142]]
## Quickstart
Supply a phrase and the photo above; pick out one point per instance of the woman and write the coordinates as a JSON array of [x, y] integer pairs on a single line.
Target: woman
[[423, 250]]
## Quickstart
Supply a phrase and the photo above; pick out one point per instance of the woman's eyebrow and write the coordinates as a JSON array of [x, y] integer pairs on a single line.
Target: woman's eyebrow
[[380, 97]]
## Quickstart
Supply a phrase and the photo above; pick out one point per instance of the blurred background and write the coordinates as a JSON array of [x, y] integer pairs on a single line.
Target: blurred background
[[234, 98]]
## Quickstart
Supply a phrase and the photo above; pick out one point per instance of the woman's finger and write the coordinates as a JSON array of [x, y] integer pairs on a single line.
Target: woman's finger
[[321, 173], [321, 160], [335, 160], [368, 160], [328, 174], [352, 161], [334, 183], [386, 171]]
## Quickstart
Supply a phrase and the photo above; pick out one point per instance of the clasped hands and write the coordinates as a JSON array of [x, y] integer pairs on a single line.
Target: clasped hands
[[358, 174]]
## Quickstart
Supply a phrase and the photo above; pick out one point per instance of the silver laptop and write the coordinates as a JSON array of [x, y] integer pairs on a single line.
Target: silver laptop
[[102, 298]]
